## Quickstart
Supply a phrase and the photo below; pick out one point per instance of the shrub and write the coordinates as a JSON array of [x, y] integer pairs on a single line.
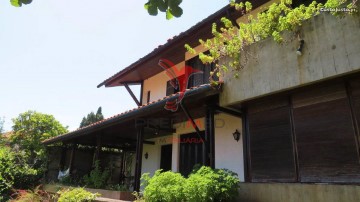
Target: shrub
[[202, 185], [36, 195], [163, 186], [14, 172], [97, 178], [76, 195], [208, 184]]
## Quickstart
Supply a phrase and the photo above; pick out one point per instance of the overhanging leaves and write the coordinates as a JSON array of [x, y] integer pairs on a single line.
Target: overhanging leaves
[[170, 7]]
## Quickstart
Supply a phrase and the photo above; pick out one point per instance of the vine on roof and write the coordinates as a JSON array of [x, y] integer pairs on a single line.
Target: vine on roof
[[231, 40]]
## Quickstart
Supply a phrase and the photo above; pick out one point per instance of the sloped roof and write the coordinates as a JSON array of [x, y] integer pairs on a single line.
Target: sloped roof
[[131, 114], [172, 48]]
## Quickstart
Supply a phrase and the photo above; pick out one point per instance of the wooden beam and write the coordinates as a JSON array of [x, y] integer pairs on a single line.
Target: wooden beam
[[141, 92], [228, 111], [210, 134], [122, 166], [169, 130], [245, 147], [132, 94], [72, 155], [98, 149], [139, 151]]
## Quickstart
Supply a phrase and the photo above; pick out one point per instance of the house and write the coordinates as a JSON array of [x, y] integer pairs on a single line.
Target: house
[[288, 126]]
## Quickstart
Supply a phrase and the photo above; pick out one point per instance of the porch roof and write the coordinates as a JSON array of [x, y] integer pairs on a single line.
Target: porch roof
[[119, 131]]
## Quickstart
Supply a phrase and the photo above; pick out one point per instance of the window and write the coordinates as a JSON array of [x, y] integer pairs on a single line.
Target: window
[[148, 97], [271, 147], [198, 79]]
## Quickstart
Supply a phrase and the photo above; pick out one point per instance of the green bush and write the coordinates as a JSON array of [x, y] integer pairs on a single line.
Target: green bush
[[164, 186], [208, 184], [14, 172], [202, 185], [97, 178], [76, 195]]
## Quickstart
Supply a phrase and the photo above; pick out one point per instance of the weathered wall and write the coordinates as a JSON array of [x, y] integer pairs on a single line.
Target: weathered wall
[[275, 192], [332, 48]]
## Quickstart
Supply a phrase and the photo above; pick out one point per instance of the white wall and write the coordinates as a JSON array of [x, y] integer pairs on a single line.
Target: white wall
[[228, 152], [157, 84], [152, 164]]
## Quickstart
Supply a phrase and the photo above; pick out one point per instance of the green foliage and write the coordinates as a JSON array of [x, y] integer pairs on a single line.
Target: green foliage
[[30, 129], [19, 3], [231, 41], [170, 7], [14, 172], [1, 125], [208, 184], [203, 184], [97, 178], [76, 195], [92, 118], [164, 186]]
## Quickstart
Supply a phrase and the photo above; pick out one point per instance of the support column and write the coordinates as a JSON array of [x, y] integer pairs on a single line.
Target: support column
[[139, 151], [72, 155], [97, 151], [122, 167], [210, 135], [62, 161]]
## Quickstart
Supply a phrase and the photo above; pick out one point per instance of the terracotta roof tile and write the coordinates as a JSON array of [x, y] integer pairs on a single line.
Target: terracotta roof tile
[[126, 112]]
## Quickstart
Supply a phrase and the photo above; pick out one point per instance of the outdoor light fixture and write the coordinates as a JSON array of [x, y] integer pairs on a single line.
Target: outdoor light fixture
[[236, 135], [146, 155], [156, 132], [301, 46]]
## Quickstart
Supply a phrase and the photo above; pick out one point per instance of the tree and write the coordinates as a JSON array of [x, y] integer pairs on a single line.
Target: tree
[[92, 118], [1, 125], [30, 129], [170, 7]]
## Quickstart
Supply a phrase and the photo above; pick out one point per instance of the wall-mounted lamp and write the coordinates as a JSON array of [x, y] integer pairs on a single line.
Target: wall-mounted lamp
[[236, 135], [156, 131], [301, 46], [146, 155]]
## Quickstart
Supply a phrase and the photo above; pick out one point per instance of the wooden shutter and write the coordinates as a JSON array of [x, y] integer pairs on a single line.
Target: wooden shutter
[[271, 147], [200, 78], [325, 135], [355, 99], [169, 89], [191, 152]]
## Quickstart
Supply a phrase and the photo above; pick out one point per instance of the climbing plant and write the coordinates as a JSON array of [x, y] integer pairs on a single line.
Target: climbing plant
[[231, 39]]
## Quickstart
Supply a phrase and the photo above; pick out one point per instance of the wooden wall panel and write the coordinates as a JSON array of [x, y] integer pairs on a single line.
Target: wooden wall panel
[[325, 135], [271, 148]]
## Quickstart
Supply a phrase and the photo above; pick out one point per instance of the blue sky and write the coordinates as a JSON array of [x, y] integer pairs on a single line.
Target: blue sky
[[53, 53]]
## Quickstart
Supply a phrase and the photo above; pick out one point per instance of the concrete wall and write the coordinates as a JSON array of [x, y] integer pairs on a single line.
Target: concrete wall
[[275, 192], [332, 48]]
